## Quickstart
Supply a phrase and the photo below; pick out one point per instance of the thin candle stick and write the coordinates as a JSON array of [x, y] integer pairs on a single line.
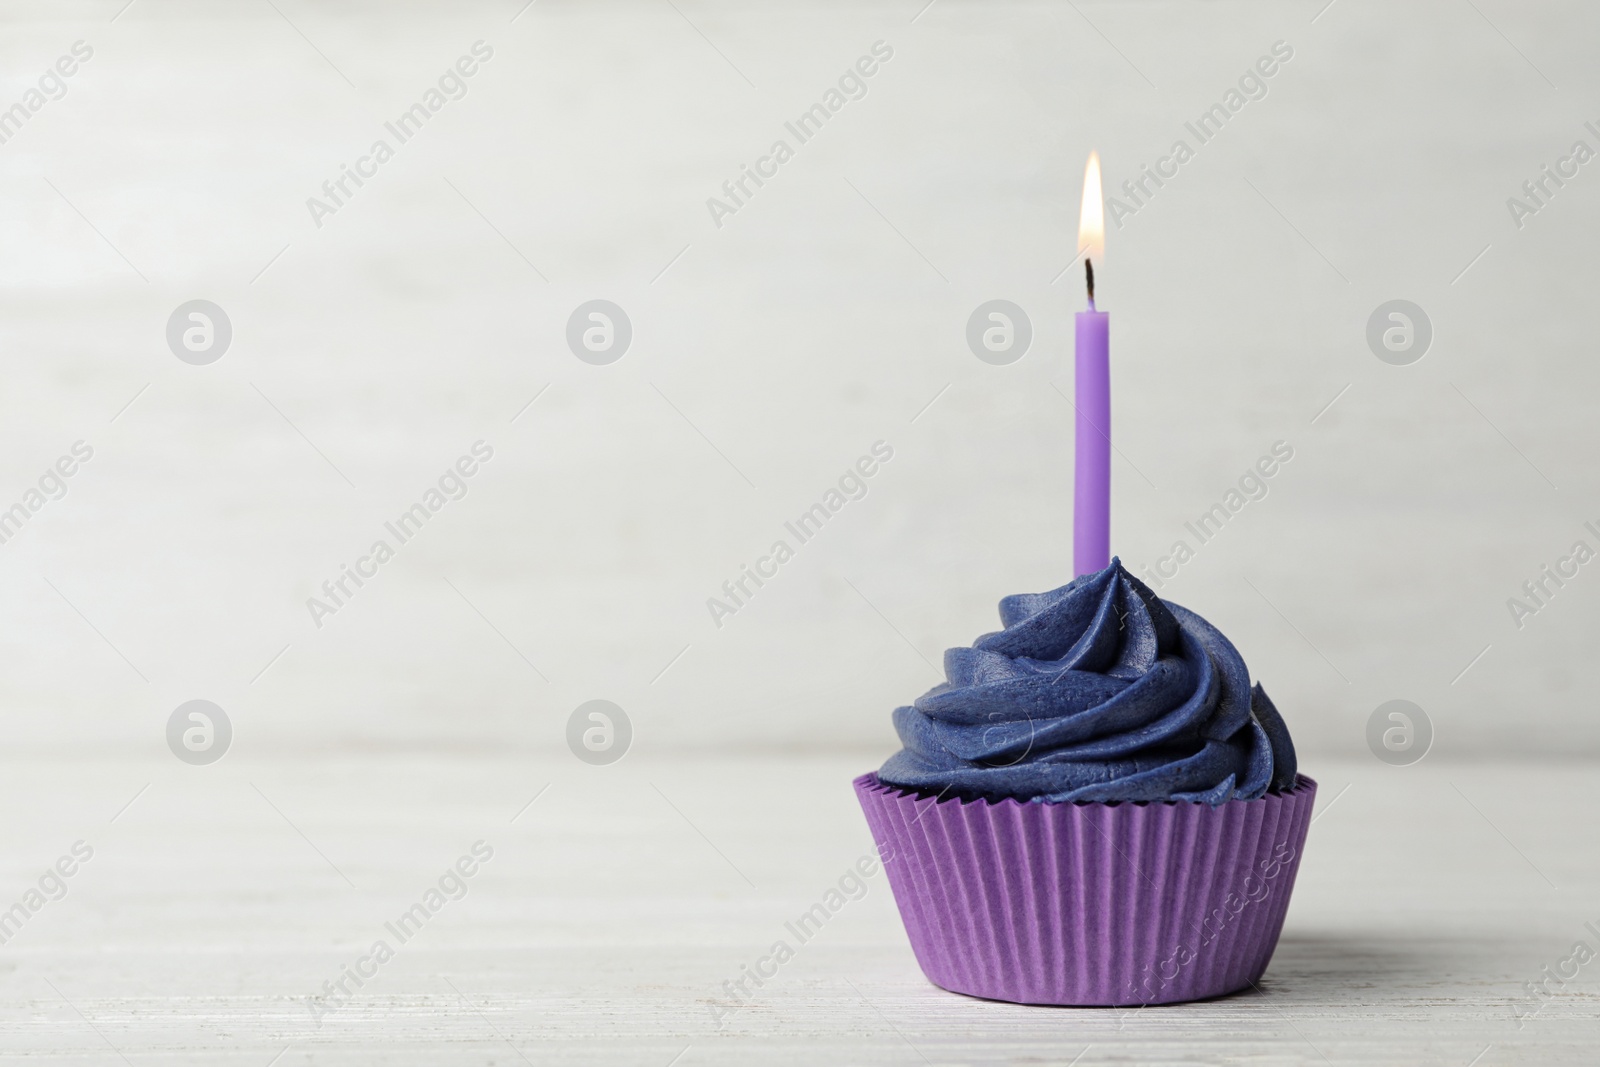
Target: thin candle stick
[[1091, 514]]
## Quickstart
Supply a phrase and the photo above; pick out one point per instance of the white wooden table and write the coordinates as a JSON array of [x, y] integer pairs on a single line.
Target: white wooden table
[[619, 902]]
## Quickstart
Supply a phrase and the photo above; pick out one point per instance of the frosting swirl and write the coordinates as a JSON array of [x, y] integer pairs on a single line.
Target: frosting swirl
[[1097, 691]]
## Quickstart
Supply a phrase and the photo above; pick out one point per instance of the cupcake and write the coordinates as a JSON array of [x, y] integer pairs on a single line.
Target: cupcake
[[1096, 807]]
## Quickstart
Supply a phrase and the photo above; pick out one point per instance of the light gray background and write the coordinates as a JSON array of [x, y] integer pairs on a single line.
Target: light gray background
[[768, 354], [806, 327]]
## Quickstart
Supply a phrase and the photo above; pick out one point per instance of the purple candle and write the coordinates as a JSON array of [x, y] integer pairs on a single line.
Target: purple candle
[[1091, 511]]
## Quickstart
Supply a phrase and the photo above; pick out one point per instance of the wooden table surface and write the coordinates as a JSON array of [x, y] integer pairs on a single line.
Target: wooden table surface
[[218, 901]]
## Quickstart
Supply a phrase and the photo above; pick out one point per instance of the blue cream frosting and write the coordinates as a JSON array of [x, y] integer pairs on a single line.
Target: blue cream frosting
[[1097, 691]]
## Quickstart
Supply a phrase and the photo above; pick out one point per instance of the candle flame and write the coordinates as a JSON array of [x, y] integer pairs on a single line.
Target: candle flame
[[1092, 218]]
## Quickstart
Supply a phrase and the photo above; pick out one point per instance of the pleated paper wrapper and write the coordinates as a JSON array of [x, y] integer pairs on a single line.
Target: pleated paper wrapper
[[1090, 904]]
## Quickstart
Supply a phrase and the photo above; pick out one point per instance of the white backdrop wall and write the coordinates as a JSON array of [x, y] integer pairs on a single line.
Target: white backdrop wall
[[771, 348]]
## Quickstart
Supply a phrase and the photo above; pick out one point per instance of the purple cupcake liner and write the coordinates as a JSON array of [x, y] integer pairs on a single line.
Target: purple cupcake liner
[[1090, 904]]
